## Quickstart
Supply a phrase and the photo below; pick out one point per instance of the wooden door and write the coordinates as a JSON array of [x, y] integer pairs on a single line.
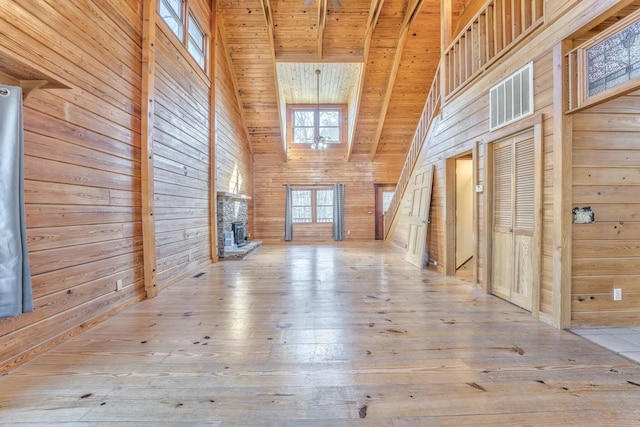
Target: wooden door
[[514, 219], [419, 215]]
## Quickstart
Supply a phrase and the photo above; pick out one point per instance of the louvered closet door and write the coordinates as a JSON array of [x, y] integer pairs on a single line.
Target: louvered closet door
[[502, 244], [513, 219]]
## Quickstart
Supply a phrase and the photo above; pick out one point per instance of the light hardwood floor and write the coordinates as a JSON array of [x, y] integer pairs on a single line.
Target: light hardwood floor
[[323, 335]]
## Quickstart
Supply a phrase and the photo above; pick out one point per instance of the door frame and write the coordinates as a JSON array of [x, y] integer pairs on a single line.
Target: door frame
[[450, 212], [534, 122], [379, 188]]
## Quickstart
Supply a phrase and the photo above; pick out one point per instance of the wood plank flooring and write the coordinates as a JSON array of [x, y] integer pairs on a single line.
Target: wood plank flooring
[[323, 335]]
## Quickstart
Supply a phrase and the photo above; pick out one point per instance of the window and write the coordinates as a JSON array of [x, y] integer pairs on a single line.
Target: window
[[312, 206], [607, 65], [196, 42], [172, 13], [310, 124], [387, 197], [614, 61]]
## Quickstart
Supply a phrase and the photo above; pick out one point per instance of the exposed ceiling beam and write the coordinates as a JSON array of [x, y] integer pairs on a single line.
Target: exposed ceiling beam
[[322, 23], [413, 8], [374, 14], [268, 16]]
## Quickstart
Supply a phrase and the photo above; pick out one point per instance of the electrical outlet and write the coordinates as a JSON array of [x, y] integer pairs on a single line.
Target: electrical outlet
[[617, 294], [119, 285]]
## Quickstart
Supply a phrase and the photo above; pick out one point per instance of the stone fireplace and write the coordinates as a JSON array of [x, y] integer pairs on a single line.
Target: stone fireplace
[[233, 214]]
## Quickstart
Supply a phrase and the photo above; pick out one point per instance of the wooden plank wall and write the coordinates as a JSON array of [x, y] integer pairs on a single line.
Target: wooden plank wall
[[82, 162], [82, 166], [606, 253], [233, 152], [181, 159], [464, 123], [358, 175]]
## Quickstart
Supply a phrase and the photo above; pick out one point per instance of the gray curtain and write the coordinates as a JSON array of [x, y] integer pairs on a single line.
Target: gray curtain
[[288, 220], [15, 277], [338, 211]]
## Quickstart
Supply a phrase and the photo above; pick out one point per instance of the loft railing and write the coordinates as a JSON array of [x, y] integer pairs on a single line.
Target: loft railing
[[498, 26], [431, 109], [495, 29]]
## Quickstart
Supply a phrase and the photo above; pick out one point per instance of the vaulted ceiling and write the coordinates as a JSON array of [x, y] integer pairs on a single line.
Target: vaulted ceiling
[[377, 56]]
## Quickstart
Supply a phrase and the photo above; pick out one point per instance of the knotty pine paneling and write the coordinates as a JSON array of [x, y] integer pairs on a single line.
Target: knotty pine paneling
[[606, 253], [233, 151], [182, 156], [82, 166], [359, 175], [463, 121]]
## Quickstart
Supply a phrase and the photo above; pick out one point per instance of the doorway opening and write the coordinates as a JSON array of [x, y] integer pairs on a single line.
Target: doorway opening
[[384, 194], [464, 215], [461, 239]]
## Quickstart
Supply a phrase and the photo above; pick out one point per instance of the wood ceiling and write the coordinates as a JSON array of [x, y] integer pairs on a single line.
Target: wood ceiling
[[393, 47]]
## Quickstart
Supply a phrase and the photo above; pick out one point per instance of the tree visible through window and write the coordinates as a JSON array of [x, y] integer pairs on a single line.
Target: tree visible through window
[[311, 124], [312, 206]]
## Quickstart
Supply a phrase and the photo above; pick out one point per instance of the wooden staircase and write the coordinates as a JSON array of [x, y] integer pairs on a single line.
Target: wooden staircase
[[430, 111]]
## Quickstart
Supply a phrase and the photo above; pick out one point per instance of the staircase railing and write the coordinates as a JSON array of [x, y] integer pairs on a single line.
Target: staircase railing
[[494, 30], [431, 109]]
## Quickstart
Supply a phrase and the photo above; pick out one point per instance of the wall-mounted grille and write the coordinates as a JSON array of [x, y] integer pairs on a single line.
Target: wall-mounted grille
[[512, 98]]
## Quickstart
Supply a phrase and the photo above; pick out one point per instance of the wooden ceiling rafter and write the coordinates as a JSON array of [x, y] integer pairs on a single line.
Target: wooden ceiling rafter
[[413, 8], [322, 23], [268, 16], [374, 14]]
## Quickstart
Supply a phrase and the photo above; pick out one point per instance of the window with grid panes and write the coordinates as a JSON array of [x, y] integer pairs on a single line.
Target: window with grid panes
[[172, 12], [312, 206], [196, 42], [194, 39], [311, 123]]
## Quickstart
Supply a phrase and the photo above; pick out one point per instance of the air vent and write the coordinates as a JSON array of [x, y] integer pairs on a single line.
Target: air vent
[[512, 98]]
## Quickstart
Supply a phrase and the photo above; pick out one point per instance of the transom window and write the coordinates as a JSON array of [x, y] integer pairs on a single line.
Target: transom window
[[311, 124], [312, 206], [194, 39]]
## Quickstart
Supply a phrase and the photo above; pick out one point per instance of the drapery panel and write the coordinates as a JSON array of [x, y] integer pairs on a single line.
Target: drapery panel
[[15, 276], [288, 217], [338, 211]]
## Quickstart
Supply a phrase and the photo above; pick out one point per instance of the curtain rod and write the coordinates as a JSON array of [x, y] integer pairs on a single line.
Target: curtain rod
[[310, 185]]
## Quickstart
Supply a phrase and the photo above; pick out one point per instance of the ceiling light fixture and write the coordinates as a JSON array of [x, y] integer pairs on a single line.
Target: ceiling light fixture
[[319, 142]]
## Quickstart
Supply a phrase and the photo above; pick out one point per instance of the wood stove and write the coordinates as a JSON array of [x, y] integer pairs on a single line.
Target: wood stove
[[239, 233]]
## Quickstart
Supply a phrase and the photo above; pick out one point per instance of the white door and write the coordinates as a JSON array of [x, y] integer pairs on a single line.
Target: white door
[[419, 215]]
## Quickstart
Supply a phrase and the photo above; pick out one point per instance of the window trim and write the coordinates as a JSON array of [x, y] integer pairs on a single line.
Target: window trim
[[576, 62], [342, 110]]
